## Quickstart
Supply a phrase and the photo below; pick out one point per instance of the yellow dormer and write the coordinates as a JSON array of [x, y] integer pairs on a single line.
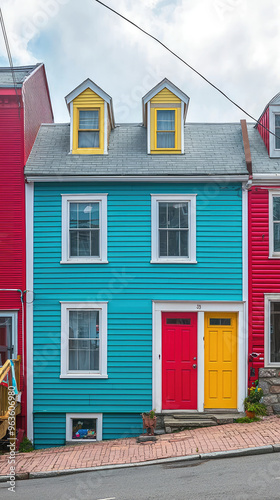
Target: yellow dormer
[[164, 111], [92, 119]]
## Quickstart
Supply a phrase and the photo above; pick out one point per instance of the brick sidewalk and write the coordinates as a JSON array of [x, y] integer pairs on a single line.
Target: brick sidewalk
[[123, 451]]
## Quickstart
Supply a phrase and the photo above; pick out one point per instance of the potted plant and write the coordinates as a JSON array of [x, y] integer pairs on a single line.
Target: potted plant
[[252, 404], [149, 421]]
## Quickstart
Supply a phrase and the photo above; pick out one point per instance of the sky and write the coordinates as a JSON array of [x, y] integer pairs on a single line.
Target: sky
[[233, 43]]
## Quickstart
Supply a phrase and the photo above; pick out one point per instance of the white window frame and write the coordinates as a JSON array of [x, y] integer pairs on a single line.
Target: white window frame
[[183, 198], [99, 425], [272, 254], [268, 298], [65, 219], [273, 152], [14, 316], [101, 307]]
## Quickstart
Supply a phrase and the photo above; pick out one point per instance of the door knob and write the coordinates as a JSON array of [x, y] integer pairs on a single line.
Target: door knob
[[194, 366]]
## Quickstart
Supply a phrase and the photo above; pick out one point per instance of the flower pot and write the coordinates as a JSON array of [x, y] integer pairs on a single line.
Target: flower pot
[[149, 423], [250, 414]]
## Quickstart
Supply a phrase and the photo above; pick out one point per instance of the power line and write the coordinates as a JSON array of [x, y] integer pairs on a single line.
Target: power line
[[188, 65], [9, 57]]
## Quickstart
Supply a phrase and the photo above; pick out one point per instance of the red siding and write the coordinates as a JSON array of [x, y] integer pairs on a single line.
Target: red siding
[[263, 272], [264, 120], [17, 135], [37, 107]]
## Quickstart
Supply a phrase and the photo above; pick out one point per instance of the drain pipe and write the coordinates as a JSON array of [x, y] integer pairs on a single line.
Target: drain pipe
[[22, 293]]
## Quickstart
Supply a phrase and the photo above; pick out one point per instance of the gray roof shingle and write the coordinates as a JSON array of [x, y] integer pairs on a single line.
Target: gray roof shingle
[[261, 162], [210, 149], [20, 74]]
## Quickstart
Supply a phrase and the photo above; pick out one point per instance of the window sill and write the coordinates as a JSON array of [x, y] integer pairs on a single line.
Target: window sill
[[173, 261], [276, 256], [83, 375], [84, 261]]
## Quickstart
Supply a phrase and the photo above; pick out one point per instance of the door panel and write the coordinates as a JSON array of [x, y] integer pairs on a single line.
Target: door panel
[[220, 341], [179, 354]]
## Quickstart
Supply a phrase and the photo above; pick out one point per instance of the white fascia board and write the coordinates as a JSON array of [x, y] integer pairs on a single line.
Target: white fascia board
[[85, 85], [137, 178]]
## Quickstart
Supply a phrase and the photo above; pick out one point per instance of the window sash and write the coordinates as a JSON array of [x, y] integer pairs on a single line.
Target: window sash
[[84, 229], [84, 343], [173, 229], [277, 131], [89, 129], [276, 223]]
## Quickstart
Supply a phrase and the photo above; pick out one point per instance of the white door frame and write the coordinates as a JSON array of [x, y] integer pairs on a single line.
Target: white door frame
[[200, 308]]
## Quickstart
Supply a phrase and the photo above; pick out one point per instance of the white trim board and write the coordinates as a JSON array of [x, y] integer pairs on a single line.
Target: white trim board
[[138, 178], [102, 307], [200, 308], [29, 210], [268, 297], [99, 425]]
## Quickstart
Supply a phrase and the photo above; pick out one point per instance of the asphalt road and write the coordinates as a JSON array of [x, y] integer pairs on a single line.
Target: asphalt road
[[244, 478]]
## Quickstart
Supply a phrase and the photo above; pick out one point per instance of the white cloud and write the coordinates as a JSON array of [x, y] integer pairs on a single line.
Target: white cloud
[[233, 43]]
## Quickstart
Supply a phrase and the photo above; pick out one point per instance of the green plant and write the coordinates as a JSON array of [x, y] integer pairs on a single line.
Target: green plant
[[246, 420], [252, 402], [152, 413], [26, 446]]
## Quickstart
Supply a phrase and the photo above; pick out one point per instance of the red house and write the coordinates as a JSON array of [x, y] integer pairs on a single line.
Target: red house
[[264, 254], [24, 105]]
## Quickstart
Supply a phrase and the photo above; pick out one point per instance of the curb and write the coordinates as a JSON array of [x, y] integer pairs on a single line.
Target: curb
[[241, 452]]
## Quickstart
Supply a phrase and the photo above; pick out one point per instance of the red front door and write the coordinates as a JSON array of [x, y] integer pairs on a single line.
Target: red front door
[[179, 361]]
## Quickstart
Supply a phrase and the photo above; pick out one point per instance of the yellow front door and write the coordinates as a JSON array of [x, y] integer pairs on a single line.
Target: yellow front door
[[220, 341]]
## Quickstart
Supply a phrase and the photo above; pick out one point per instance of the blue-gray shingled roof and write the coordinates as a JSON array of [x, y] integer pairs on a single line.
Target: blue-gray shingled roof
[[20, 74], [210, 149], [261, 162]]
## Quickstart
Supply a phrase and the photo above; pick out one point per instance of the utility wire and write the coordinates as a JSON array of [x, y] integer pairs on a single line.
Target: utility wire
[[188, 65], [9, 57]]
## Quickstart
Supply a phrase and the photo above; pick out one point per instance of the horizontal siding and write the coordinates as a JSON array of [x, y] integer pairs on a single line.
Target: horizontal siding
[[263, 272], [129, 282], [88, 98], [165, 96]]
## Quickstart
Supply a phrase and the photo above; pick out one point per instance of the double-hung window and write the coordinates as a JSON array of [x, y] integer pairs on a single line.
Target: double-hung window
[[274, 224], [84, 228], [272, 329], [165, 135], [89, 130], [277, 131], [84, 339], [173, 228]]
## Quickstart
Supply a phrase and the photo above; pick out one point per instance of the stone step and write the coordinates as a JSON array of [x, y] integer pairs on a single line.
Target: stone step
[[177, 424]]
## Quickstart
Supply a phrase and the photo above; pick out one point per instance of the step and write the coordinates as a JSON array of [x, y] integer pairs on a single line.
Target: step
[[177, 424]]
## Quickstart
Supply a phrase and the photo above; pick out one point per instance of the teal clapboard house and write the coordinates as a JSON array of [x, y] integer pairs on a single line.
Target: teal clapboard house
[[135, 242]]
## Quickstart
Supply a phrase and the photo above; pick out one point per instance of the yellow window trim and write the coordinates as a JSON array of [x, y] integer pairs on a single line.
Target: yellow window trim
[[76, 130], [154, 148]]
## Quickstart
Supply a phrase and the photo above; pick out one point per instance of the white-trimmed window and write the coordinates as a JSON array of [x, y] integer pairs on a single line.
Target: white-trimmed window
[[83, 427], [274, 122], [8, 336], [274, 224], [272, 329], [84, 340], [173, 228], [84, 228]]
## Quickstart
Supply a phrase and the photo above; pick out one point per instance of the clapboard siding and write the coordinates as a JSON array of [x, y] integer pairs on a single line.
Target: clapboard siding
[[129, 282]]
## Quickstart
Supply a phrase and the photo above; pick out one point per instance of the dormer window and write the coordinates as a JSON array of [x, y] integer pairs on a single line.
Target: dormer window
[[164, 113], [92, 119], [165, 129], [88, 134]]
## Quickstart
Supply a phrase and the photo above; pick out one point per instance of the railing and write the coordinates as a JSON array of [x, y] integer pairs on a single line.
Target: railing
[[6, 370]]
